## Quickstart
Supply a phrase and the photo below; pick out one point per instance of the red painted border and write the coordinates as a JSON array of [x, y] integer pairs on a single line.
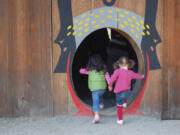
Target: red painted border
[[84, 111], [135, 107]]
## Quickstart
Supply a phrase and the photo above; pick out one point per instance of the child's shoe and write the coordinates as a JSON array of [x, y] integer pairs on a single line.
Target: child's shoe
[[124, 105], [96, 121], [120, 122], [101, 106]]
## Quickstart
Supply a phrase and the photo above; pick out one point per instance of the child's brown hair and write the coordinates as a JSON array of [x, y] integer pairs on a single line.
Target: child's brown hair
[[124, 61]]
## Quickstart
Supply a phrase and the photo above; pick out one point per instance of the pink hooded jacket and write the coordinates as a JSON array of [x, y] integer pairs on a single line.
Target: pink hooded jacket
[[123, 78]]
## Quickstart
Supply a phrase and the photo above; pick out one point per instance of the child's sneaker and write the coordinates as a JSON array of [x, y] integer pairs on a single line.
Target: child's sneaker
[[96, 121], [101, 106], [124, 105], [120, 122]]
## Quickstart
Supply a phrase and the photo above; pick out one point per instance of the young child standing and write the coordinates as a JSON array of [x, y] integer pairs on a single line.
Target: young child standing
[[97, 76], [130, 67], [122, 78]]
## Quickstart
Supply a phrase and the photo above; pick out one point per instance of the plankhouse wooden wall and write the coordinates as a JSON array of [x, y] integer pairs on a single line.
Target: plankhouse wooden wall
[[171, 63], [25, 58], [29, 55]]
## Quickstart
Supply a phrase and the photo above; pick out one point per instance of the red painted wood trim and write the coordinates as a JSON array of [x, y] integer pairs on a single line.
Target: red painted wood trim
[[82, 110]]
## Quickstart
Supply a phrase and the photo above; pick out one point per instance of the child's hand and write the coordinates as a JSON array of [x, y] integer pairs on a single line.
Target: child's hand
[[110, 88]]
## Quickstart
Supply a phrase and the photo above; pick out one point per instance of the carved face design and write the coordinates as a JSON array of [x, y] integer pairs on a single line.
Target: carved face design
[[74, 30]]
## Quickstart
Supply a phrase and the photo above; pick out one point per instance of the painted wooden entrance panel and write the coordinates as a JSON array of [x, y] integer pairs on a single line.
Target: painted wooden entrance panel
[[76, 19]]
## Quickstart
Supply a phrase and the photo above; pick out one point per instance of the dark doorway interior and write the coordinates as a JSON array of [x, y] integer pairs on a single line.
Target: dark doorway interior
[[110, 50]]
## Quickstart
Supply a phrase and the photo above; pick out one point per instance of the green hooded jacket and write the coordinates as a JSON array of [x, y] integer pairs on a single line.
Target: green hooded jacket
[[96, 80]]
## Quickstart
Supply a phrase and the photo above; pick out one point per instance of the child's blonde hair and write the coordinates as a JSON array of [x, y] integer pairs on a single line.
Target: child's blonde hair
[[124, 61]]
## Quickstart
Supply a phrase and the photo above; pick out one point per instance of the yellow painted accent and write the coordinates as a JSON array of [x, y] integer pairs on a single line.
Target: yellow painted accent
[[126, 23], [93, 22], [137, 35], [86, 24], [138, 28], [132, 30], [126, 12], [91, 14], [147, 26], [88, 19], [69, 27], [96, 26], [80, 34], [81, 22], [148, 33], [80, 28], [130, 20], [143, 27], [116, 19], [134, 17], [74, 27], [96, 16], [74, 33], [121, 15], [152, 48], [155, 40], [143, 33], [138, 23], [110, 11], [69, 33], [109, 16], [82, 16], [87, 29], [142, 22], [76, 21], [118, 10], [122, 26], [101, 11], [102, 21], [132, 25]]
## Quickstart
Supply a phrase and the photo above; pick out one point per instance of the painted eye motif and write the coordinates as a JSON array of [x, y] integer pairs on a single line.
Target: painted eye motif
[[109, 3], [156, 40]]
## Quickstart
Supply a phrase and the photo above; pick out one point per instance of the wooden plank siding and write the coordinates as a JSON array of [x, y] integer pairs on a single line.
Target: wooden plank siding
[[171, 64], [60, 87], [5, 93], [29, 55], [26, 64], [152, 100]]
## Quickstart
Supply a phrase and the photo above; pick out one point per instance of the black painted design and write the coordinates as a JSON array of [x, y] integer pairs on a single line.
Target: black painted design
[[67, 43], [150, 42], [111, 3]]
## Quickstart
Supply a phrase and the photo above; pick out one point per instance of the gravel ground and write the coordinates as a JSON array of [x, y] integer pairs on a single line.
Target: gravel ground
[[70, 125]]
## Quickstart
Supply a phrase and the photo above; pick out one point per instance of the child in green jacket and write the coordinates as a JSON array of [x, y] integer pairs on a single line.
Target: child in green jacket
[[97, 77]]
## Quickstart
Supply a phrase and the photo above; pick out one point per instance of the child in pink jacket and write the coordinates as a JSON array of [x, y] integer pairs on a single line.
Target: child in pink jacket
[[122, 78]]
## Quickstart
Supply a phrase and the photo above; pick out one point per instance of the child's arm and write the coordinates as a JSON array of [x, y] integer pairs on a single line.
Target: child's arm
[[108, 78], [84, 71], [137, 76], [113, 78]]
